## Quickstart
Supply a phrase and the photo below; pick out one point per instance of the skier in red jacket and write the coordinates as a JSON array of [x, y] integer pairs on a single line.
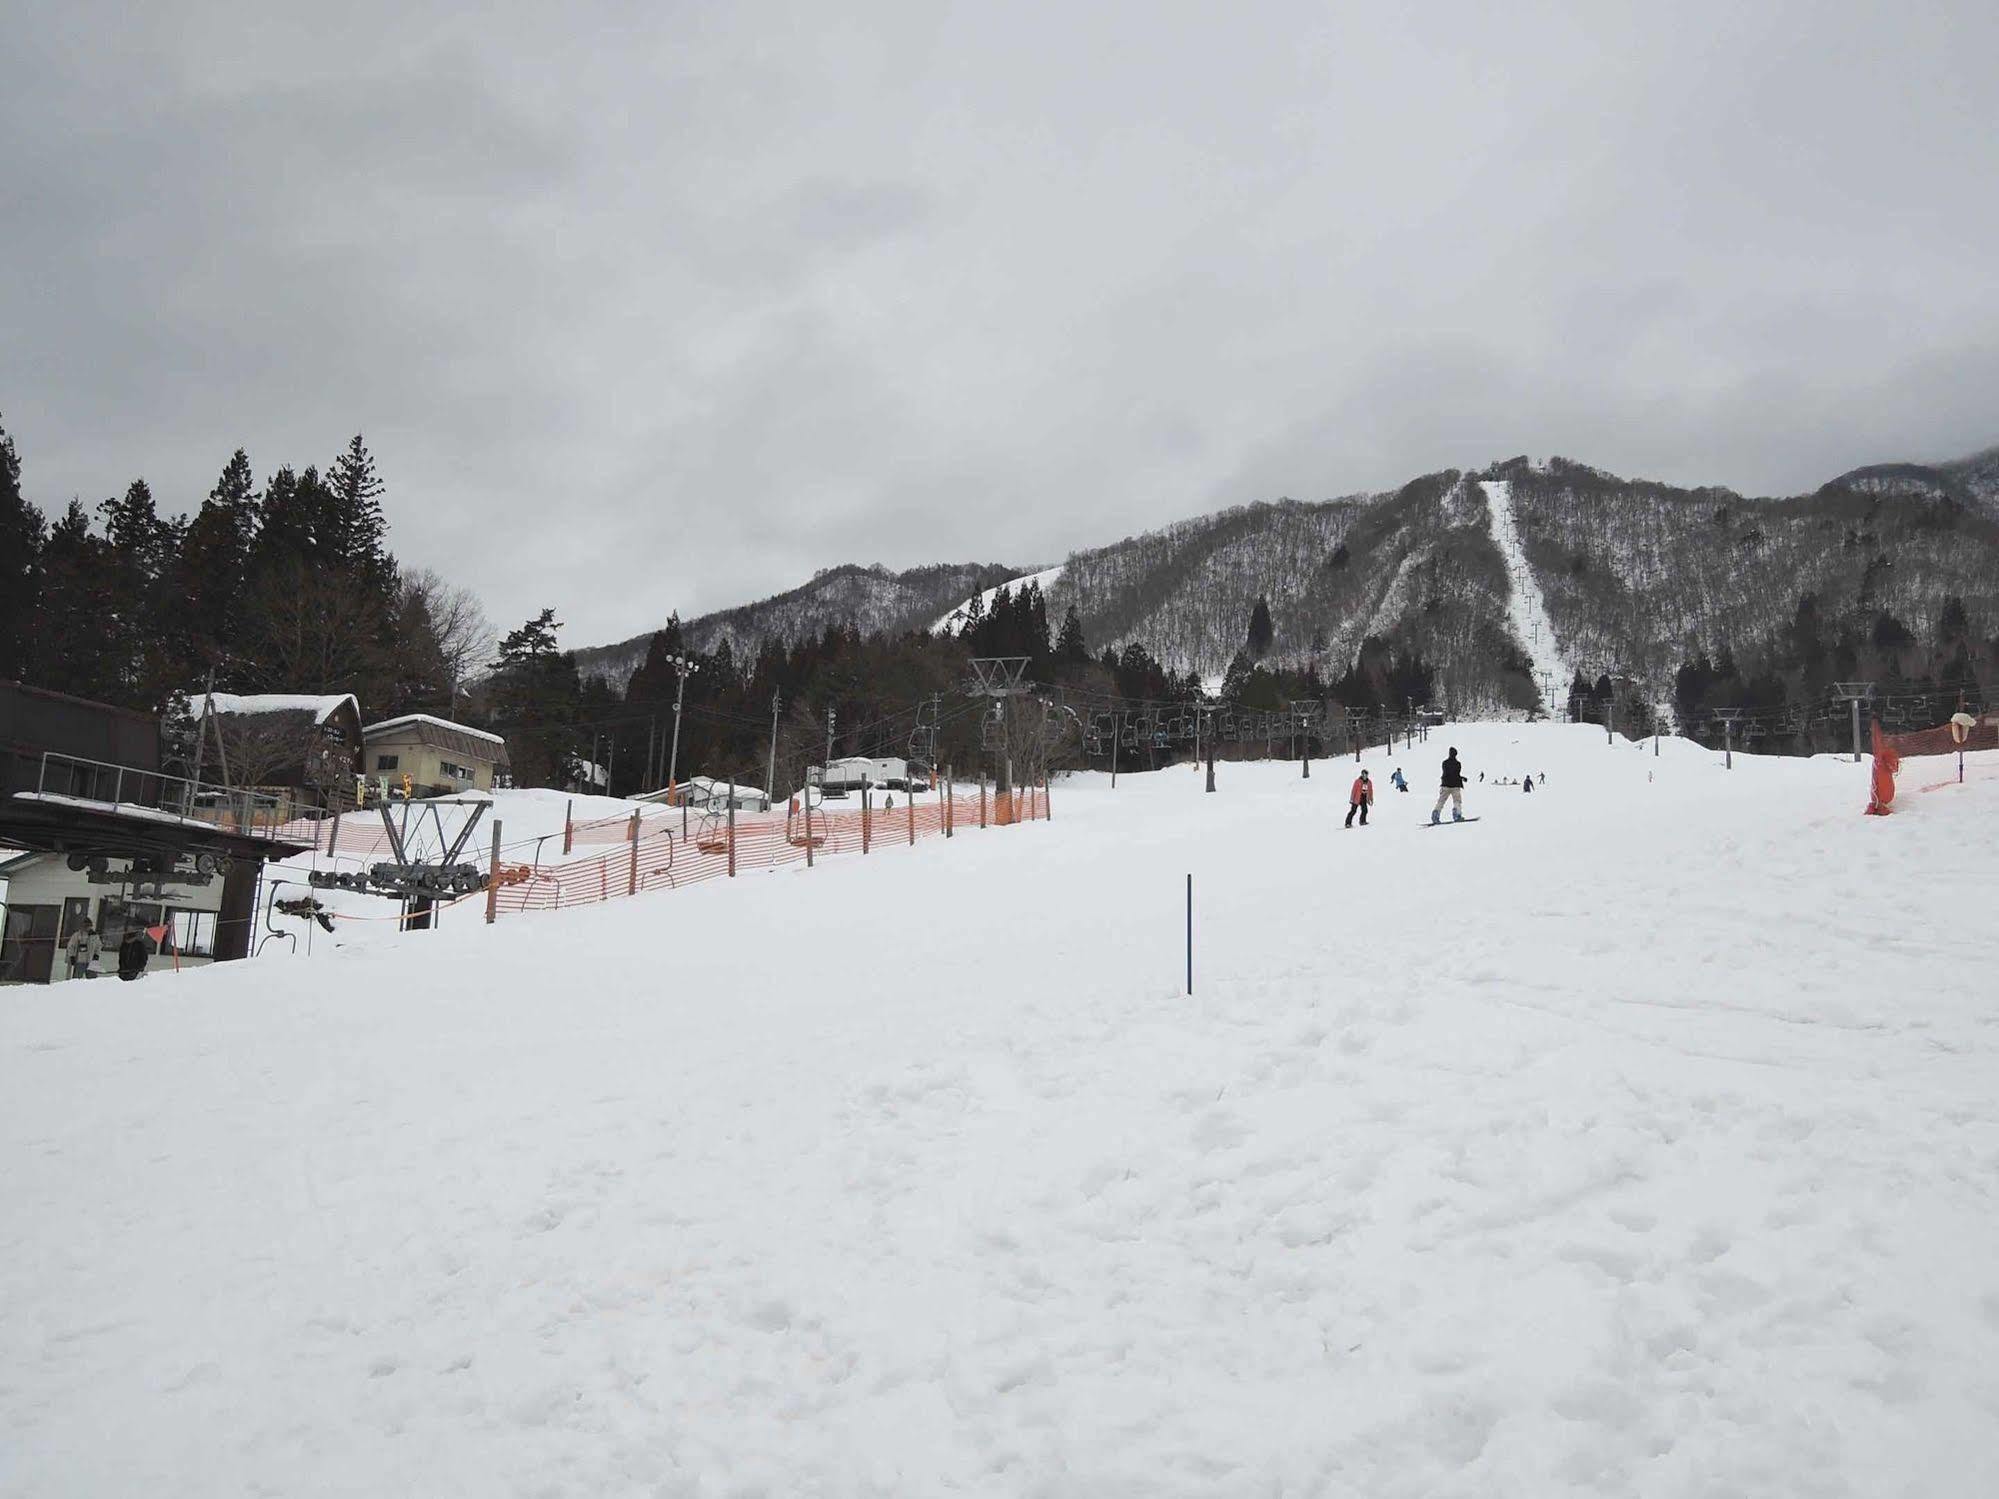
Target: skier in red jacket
[[1360, 799]]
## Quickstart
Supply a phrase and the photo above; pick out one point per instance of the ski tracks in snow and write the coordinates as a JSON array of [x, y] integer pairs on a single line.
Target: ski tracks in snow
[[1525, 607]]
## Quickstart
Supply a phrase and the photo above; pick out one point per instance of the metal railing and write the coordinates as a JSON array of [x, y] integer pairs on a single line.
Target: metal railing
[[253, 814]]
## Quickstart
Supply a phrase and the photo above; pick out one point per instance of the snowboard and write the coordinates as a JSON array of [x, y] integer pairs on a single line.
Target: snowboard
[[1447, 822]]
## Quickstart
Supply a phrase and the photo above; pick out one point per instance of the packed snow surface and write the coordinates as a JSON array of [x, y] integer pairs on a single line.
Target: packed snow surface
[[1525, 608], [1641, 1138]]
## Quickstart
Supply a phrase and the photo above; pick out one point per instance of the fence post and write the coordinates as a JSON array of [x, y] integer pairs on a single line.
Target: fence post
[[732, 832], [866, 820], [909, 796], [806, 792], [632, 885], [493, 877], [568, 823], [950, 801], [1048, 802], [982, 796]]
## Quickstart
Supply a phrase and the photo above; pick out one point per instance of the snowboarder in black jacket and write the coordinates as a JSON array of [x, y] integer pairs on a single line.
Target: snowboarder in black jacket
[[1453, 789]]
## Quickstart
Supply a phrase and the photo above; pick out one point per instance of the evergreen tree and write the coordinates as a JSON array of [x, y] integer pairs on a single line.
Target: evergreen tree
[[354, 528], [214, 563], [535, 696], [1070, 648], [1261, 631], [22, 537], [75, 647]]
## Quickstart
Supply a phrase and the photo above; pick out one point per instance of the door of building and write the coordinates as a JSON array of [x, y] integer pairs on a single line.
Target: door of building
[[28, 949]]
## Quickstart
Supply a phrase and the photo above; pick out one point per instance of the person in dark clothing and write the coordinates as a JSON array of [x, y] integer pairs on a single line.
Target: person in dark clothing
[[132, 955], [1452, 790], [1528, 784], [1361, 799]]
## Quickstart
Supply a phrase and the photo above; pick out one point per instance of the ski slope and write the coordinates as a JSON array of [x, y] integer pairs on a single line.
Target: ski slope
[[1642, 1138], [956, 617], [1525, 608]]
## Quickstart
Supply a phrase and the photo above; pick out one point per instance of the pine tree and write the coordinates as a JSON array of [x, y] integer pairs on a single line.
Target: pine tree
[[22, 537], [1070, 648], [1261, 632], [355, 527], [215, 561], [535, 694], [75, 648]]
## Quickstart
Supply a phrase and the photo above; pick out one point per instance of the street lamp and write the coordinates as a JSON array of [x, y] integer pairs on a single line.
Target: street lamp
[[684, 667]]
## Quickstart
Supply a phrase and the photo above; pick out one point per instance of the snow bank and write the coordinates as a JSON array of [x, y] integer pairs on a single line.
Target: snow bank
[[1639, 1138]]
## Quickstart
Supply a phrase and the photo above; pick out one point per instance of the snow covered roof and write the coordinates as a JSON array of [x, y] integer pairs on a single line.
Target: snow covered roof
[[322, 706], [411, 719]]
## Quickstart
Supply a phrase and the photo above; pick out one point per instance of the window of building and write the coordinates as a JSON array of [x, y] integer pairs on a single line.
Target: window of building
[[192, 932], [115, 917], [386, 762], [459, 772]]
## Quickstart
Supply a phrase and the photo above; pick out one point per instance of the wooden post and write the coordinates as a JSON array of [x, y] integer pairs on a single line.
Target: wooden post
[[732, 832], [493, 877], [568, 823], [909, 796], [806, 792], [632, 885], [982, 796], [866, 820], [950, 801]]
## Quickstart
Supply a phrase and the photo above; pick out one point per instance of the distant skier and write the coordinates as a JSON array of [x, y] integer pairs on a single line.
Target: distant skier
[[1401, 782], [1527, 784], [1361, 798], [1453, 789]]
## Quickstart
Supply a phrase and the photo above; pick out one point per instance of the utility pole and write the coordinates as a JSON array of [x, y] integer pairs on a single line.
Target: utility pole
[[826, 766], [1728, 717], [684, 667], [1211, 757], [770, 772], [1854, 693]]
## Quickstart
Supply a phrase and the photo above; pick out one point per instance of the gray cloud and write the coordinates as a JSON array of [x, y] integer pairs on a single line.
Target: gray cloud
[[655, 307]]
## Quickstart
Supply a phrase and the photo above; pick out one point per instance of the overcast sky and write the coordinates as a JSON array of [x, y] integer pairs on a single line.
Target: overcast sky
[[663, 305]]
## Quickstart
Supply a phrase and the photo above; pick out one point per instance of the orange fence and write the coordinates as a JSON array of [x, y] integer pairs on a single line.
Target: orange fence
[[655, 854]]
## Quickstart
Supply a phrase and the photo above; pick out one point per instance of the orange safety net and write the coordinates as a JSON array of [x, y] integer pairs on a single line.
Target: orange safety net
[[662, 856], [1881, 797]]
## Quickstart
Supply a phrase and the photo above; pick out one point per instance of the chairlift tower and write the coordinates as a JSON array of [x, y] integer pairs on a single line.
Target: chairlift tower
[[1000, 678]]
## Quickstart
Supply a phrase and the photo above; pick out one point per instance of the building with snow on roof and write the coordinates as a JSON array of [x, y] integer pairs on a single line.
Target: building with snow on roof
[[418, 755], [304, 745]]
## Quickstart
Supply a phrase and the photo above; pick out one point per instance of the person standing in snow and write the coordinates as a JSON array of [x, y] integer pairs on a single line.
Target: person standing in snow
[[1453, 789], [132, 955], [84, 948], [1527, 784], [1361, 798]]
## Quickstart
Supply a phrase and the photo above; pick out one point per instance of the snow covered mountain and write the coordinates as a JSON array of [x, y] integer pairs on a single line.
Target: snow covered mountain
[[1506, 580], [871, 599]]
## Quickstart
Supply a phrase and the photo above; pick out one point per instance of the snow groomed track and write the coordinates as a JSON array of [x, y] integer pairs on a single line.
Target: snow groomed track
[[1526, 610]]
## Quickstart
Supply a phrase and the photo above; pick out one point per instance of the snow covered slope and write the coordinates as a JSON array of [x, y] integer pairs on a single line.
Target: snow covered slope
[[1524, 607], [1510, 1159], [956, 617]]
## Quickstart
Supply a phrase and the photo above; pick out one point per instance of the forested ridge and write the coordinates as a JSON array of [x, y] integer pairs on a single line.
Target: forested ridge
[[1672, 603]]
